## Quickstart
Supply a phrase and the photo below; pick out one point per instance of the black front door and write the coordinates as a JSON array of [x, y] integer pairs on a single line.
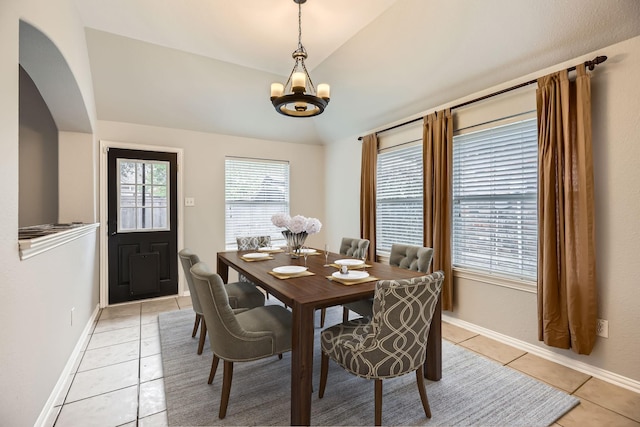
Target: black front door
[[142, 224]]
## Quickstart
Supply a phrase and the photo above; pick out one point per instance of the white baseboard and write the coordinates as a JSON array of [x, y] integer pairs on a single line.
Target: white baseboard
[[67, 371], [610, 377]]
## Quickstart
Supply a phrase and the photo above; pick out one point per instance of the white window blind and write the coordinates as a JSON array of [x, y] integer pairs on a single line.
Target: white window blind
[[399, 195], [495, 177], [254, 191]]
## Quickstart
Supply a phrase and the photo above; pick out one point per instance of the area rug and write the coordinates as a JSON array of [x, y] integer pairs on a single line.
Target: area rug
[[474, 391]]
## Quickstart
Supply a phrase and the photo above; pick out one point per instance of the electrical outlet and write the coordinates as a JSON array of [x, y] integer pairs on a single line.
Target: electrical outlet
[[189, 201], [602, 328]]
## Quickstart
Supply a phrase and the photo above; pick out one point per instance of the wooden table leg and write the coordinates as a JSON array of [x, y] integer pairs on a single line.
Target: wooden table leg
[[301, 364], [223, 271], [433, 364]]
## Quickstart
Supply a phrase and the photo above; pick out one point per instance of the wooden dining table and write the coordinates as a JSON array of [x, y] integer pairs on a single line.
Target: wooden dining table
[[306, 294]]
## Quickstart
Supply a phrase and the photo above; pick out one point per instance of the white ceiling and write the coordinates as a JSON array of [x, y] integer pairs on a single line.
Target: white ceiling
[[206, 65]]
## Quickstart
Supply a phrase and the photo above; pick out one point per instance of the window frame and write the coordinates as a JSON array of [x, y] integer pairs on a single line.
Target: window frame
[[416, 146], [502, 278], [282, 206]]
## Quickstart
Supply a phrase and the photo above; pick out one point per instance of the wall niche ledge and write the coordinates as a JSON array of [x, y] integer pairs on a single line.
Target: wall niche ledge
[[36, 239]]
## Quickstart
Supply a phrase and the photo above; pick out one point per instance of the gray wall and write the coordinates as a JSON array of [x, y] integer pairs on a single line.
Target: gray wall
[[38, 154], [512, 312]]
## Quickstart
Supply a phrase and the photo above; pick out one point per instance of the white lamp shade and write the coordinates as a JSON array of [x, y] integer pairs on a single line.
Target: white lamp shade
[[323, 90], [277, 89], [298, 79]]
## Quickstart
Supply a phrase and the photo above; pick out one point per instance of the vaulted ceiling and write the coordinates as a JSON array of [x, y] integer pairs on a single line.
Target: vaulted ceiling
[[207, 65]]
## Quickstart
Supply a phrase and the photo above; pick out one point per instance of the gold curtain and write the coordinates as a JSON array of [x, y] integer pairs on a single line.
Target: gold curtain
[[437, 159], [567, 294], [368, 192]]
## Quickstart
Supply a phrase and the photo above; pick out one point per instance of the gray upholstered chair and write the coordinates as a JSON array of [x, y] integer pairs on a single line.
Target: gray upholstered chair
[[350, 247], [410, 257], [238, 336], [241, 295], [390, 344], [353, 247], [246, 243]]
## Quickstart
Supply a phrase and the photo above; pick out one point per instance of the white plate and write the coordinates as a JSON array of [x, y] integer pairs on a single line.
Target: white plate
[[269, 249], [255, 255], [349, 262], [308, 251], [289, 269], [352, 275]]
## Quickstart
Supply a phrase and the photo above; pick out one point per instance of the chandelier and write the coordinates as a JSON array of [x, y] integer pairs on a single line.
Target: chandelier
[[298, 97]]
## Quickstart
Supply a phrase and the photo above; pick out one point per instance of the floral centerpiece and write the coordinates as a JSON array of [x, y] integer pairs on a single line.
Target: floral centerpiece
[[297, 229]]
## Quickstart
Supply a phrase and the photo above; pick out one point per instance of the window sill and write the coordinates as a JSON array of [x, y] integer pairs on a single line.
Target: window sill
[[37, 239], [506, 282]]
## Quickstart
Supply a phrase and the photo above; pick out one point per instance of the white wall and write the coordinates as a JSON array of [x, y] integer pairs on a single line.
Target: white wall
[[342, 179], [203, 174], [616, 126], [36, 295], [77, 181]]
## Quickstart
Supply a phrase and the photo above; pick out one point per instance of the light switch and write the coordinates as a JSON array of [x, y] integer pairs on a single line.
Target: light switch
[[189, 201]]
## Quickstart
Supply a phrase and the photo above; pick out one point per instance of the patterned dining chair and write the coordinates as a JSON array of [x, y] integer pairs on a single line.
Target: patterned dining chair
[[247, 243], [238, 336], [241, 295], [410, 257], [391, 343]]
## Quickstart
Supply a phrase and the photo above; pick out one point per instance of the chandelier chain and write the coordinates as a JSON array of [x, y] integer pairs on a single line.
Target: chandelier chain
[[300, 26]]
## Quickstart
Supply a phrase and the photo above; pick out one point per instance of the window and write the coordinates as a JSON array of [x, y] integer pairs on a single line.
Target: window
[[495, 177], [143, 189], [399, 211], [254, 191]]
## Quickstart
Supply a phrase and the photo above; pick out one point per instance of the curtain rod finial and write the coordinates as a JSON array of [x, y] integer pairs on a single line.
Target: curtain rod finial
[[597, 60]]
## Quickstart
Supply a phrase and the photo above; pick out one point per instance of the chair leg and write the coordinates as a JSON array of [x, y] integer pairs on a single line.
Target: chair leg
[[423, 392], [345, 314], [323, 315], [378, 394], [203, 335], [324, 367], [214, 368], [226, 388], [195, 325]]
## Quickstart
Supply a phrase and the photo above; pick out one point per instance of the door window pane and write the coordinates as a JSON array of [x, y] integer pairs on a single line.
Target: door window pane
[[142, 197]]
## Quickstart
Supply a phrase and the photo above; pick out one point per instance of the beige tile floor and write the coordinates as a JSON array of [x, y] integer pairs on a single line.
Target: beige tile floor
[[118, 380]]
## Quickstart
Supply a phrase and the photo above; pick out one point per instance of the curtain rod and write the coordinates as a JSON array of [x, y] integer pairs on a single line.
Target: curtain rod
[[589, 64]]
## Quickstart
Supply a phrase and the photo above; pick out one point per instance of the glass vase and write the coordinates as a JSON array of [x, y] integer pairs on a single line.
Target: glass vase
[[295, 241]]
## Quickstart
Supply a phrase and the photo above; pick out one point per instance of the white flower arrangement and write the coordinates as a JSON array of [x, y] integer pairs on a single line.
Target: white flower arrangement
[[297, 224]]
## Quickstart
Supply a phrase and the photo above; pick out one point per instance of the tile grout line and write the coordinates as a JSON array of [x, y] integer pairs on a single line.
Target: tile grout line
[[139, 367]]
